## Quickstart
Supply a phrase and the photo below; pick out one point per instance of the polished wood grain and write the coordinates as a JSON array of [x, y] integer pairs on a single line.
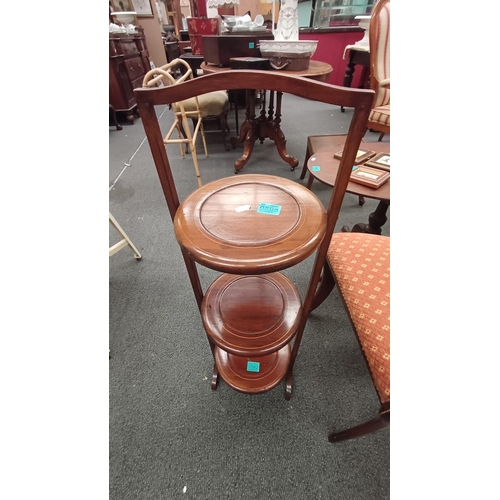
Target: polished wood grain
[[217, 231], [318, 70], [233, 369], [251, 315]]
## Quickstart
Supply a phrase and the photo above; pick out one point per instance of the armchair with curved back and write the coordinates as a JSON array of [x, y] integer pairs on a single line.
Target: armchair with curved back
[[380, 64]]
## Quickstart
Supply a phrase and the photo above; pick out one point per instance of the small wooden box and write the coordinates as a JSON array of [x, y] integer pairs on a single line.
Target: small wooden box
[[219, 49]]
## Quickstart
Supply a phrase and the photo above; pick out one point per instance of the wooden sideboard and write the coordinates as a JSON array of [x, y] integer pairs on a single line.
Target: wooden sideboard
[[128, 63]]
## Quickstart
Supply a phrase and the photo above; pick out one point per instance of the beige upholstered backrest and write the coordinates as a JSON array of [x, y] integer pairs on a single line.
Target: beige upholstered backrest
[[380, 60]]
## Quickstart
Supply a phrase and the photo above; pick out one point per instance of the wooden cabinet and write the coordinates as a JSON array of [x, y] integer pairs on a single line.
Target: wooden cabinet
[[128, 63]]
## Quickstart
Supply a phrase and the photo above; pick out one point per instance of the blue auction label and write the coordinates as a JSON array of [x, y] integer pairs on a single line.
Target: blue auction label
[[268, 208], [316, 168], [253, 366], [251, 45]]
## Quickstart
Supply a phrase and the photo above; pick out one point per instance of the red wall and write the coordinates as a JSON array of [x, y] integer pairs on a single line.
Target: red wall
[[331, 49]]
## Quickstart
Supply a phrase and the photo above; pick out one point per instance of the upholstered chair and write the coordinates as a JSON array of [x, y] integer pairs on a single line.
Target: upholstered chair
[[359, 264], [380, 64]]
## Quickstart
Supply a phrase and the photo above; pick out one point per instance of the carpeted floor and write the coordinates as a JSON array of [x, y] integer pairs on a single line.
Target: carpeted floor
[[170, 435]]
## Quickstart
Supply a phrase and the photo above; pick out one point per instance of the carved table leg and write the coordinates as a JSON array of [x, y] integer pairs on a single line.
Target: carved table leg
[[349, 71], [375, 220], [276, 134]]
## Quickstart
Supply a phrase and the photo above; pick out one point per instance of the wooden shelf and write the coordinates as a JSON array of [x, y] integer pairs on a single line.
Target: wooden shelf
[[251, 315], [220, 233], [233, 369]]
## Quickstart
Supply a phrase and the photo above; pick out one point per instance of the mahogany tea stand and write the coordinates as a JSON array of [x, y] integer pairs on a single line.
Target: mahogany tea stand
[[250, 228]]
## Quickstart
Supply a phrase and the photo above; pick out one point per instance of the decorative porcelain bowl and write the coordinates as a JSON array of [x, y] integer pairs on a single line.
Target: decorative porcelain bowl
[[124, 17], [302, 47]]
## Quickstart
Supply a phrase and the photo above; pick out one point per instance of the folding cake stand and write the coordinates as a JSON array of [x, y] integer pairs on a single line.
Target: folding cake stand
[[250, 228]]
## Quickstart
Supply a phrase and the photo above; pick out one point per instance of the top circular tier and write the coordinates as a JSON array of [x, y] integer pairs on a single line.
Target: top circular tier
[[250, 224]]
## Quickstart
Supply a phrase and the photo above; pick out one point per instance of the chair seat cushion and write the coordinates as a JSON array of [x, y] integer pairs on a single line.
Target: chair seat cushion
[[361, 265], [211, 103], [381, 114]]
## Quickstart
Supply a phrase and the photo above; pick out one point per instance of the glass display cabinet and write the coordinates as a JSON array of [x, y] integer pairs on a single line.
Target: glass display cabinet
[[330, 13]]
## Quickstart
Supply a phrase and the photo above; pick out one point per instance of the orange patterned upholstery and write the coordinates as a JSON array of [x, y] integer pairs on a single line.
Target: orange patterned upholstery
[[380, 66], [360, 263]]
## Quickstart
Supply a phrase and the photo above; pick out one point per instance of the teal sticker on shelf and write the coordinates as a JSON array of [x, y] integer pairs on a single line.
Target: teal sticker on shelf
[[268, 208], [316, 168], [355, 167], [253, 366], [251, 45]]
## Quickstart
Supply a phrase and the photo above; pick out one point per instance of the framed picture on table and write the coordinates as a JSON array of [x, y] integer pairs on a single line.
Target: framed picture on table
[[143, 8], [361, 155], [381, 160]]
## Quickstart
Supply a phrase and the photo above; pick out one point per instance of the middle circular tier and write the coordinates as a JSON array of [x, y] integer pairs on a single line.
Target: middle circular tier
[[250, 224], [249, 315]]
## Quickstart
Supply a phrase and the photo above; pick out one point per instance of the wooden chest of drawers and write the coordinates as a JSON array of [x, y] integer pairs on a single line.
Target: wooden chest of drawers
[[128, 63]]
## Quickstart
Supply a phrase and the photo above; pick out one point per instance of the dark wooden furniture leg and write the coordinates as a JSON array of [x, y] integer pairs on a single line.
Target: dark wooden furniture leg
[[261, 128], [377, 423], [112, 115], [275, 133], [375, 220], [349, 71]]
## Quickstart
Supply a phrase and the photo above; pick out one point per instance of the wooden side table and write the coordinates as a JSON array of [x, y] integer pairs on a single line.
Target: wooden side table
[[324, 167]]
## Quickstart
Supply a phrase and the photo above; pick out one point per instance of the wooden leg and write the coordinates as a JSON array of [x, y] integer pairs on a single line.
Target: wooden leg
[[375, 220], [304, 166], [361, 201], [112, 114], [377, 423], [381, 136], [223, 119], [276, 135], [325, 287], [349, 71]]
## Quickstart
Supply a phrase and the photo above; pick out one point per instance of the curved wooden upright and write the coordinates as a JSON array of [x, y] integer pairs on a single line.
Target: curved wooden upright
[[249, 228]]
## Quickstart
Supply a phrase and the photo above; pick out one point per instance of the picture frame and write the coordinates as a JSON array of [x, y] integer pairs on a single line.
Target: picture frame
[[368, 176], [381, 161], [143, 8], [361, 156]]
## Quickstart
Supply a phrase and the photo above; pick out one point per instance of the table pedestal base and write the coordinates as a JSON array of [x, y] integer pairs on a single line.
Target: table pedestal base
[[261, 128], [375, 221]]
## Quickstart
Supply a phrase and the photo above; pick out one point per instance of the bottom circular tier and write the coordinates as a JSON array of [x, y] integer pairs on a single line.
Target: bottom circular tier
[[255, 374]]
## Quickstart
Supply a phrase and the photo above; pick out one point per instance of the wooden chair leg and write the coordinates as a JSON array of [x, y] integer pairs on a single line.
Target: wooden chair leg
[[373, 425], [361, 201], [381, 136], [223, 120]]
